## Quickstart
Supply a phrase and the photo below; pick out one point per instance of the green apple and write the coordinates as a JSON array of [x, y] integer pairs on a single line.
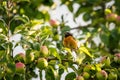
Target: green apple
[[42, 63], [102, 75], [44, 51], [86, 75], [20, 67], [112, 76], [56, 37], [111, 17]]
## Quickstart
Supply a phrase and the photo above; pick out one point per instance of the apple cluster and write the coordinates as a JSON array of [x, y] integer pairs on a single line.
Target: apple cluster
[[23, 59]]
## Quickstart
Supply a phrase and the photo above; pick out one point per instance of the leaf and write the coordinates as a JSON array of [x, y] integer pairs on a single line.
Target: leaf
[[54, 52], [86, 16], [80, 58], [65, 28], [51, 74], [17, 21], [104, 38], [1, 53], [85, 50], [11, 68], [3, 26], [61, 71], [82, 9], [70, 76], [70, 6]]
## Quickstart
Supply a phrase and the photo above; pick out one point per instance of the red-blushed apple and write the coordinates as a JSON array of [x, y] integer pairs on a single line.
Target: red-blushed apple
[[54, 23], [44, 51], [42, 63], [20, 67], [111, 17], [20, 57], [117, 58], [102, 75], [80, 78]]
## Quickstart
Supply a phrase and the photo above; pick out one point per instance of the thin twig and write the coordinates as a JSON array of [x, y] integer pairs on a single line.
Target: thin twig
[[80, 27]]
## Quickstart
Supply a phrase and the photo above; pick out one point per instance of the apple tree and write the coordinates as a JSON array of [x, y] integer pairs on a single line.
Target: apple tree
[[97, 56]]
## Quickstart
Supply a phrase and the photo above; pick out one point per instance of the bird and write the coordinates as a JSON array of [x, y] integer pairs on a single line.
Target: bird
[[69, 41]]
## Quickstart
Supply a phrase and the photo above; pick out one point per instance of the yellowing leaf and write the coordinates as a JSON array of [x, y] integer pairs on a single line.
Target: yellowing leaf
[[85, 50]]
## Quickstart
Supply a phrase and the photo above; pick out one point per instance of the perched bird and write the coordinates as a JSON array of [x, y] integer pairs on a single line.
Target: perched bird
[[69, 41]]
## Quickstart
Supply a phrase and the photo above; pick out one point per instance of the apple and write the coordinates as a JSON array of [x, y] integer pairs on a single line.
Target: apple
[[86, 75], [42, 63], [79, 78], [54, 23], [102, 75], [112, 76], [117, 58], [56, 37], [20, 67], [20, 57], [111, 17], [44, 51]]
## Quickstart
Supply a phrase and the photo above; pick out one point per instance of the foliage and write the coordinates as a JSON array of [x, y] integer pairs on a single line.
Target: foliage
[[25, 18]]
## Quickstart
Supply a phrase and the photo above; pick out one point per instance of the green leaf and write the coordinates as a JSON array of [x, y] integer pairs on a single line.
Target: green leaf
[[70, 6], [70, 76], [3, 26], [54, 52], [86, 16], [17, 21], [1, 53], [11, 68], [65, 28], [81, 9], [104, 38], [51, 74], [61, 71]]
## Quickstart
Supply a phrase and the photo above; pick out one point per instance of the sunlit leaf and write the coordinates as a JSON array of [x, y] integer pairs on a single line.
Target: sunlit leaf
[[80, 58], [85, 50], [17, 21], [3, 26]]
